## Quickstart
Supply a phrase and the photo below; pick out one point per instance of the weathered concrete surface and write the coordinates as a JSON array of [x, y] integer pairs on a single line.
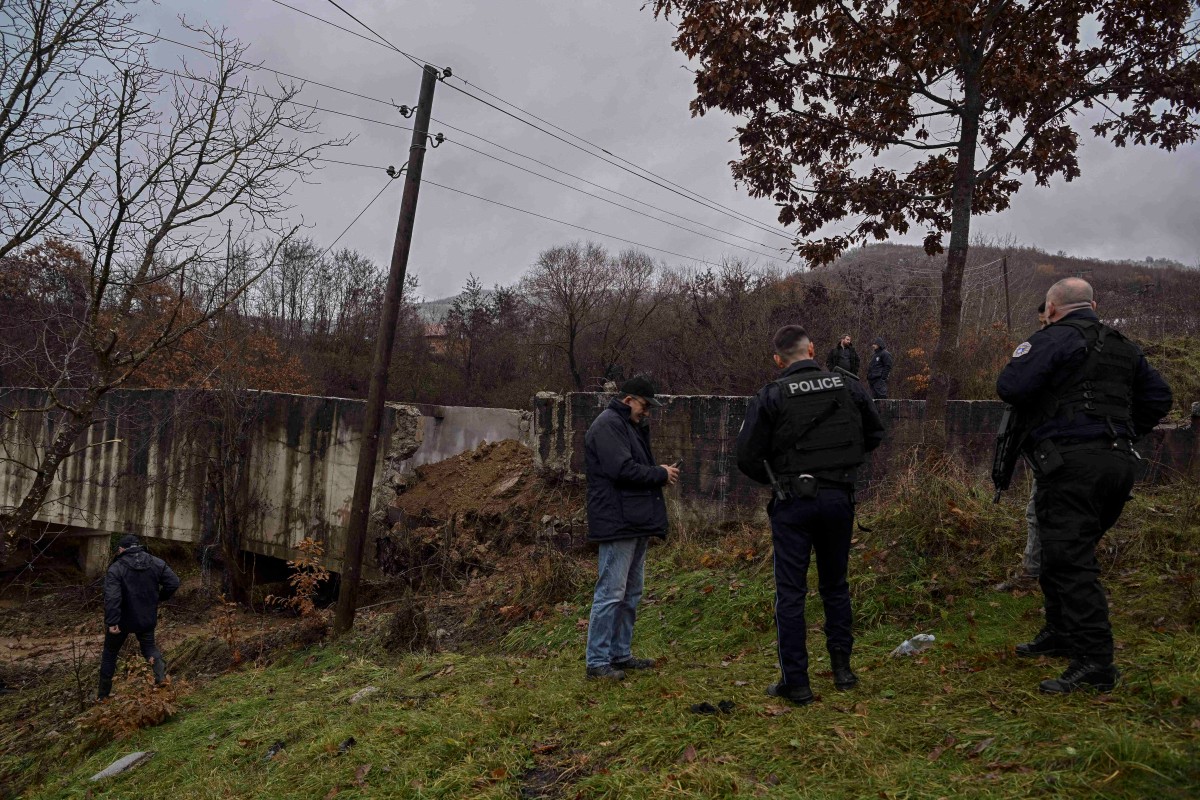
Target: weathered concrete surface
[[172, 464], [701, 431]]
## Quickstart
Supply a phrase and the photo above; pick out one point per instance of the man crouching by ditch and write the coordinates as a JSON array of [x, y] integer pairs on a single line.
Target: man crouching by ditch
[[135, 584], [625, 508], [806, 433]]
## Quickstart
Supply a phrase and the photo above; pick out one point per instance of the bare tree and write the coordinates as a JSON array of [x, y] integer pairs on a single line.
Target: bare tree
[[187, 150], [566, 288], [630, 299], [61, 102]]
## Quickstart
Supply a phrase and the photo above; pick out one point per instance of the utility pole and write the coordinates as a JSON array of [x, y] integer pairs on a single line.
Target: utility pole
[[364, 479], [1007, 307]]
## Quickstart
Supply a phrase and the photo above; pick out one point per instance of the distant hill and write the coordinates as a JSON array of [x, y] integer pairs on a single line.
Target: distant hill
[[435, 310]]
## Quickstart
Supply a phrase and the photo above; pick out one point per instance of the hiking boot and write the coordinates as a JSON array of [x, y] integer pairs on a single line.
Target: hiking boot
[[160, 669], [800, 695], [104, 689], [634, 663], [1083, 675], [1047, 643], [606, 673], [843, 677]]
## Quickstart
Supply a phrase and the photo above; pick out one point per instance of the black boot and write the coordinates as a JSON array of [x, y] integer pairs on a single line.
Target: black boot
[[1083, 675], [800, 695], [1047, 643], [104, 689], [843, 677], [160, 669]]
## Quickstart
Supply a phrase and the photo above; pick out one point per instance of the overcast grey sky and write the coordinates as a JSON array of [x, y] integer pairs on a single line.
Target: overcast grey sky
[[605, 70]]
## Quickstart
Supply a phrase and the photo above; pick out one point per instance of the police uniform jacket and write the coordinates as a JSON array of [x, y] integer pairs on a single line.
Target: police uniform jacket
[[1050, 357], [624, 485], [754, 440]]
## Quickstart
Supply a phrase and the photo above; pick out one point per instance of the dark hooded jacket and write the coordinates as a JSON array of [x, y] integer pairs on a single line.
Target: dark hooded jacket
[[844, 357], [134, 586], [624, 485], [881, 363]]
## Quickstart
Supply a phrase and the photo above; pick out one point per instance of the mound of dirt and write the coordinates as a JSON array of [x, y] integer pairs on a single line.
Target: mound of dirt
[[494, 492]]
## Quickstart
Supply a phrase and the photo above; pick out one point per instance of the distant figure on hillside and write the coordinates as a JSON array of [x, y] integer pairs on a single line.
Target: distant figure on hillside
[[135, 584], [880, 369], [843, 355], [625, 508], [1085, 393], [806, 433]]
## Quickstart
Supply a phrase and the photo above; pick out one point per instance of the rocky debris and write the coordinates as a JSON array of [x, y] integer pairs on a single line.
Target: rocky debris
[[124, 764]]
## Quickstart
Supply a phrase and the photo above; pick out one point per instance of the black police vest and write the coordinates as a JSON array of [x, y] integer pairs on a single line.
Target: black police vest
[[1102, 386], [819, 429]]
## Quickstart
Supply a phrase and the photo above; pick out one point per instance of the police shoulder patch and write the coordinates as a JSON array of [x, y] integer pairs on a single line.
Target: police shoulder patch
[[1022, 349]]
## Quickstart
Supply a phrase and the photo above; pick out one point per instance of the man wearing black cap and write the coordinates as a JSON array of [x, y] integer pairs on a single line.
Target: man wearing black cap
[[806, 433], [135, 584], [625, 508]]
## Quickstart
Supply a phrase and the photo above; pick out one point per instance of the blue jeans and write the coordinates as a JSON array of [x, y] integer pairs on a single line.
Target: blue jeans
[[615, 601]]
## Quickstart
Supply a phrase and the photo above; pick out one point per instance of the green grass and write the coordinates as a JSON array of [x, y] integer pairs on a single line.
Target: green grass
[[516, 718]]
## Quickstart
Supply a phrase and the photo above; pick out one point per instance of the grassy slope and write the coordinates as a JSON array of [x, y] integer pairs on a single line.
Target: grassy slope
[[519, 721]]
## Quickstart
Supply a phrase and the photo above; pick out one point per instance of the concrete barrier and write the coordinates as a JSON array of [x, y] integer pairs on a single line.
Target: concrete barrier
[[701, 431]]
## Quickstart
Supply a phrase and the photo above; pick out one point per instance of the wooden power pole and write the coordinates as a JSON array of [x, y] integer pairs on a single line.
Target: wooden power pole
[[364, 479], [1007, 307]]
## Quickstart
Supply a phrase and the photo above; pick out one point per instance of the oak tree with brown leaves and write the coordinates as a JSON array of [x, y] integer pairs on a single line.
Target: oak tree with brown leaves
[[920, 114]]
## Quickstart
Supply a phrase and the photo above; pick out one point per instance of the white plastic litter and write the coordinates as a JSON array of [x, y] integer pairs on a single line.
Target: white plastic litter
[[124, 763], [917, 644]]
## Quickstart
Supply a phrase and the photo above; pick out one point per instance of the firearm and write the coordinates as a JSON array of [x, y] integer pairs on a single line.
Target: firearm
[[1009, 440], [847, 373], [774, 483]]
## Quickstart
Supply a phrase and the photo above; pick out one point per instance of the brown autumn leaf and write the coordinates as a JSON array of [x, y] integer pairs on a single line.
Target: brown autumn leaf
[[360, 775], [689, 754], [332, 793], [776, 711], [499, 773]]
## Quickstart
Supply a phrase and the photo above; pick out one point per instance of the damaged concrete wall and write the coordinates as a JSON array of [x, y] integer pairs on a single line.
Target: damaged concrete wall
[[153, 463], [700, 432]]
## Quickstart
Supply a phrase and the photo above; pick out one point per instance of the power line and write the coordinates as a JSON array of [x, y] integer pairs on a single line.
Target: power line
[[570, 224], [581, 179], [649, 176], [619, 205], [359, 215]]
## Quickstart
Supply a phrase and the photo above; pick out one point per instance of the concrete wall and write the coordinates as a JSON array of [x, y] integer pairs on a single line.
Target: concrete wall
[[701, 431], [153, 465]]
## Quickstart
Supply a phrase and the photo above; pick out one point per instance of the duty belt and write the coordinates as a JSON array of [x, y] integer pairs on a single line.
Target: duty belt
[[1124, 445], [807, 485]]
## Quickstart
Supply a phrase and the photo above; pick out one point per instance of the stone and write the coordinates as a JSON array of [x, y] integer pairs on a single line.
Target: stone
[[124, 764], [363, 694]]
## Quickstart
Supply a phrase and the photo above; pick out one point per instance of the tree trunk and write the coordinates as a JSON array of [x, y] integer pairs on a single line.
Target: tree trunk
[[75, 422], [945, 357]]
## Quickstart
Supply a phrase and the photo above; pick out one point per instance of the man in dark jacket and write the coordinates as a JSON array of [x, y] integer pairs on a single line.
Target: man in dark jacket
[[843, 355], [135, 584], [625, 507], [880, 369], [807, 433], [1086, 392]]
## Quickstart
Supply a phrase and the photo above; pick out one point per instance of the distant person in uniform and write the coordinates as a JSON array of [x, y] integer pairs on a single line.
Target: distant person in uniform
[[807, 433], [880, 369], [1086, 393], [843, 355], [625, 507], [135, 584], [1031, 560]]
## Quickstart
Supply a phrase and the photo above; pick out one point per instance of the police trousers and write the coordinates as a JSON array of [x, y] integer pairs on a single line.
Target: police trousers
[[1076, 504], [800, 527]]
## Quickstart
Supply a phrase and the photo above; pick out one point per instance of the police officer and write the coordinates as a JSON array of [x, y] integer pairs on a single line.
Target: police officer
[[806, 433], [1086, 393]]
